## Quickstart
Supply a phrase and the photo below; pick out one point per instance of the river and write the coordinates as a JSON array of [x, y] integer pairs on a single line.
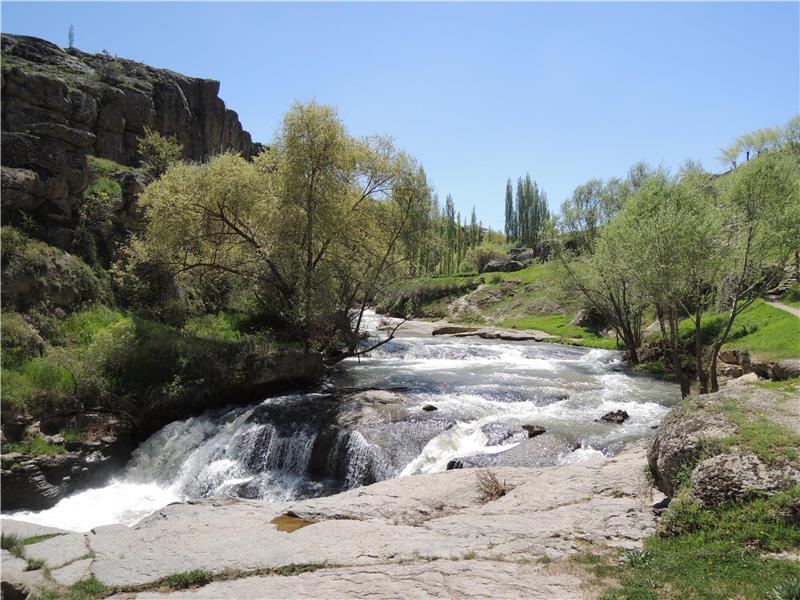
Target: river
[[483, 391]]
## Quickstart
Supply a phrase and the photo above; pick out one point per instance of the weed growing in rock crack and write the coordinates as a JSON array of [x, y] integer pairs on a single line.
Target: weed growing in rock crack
[[34, 564], [187, 579], [490, 487], [85, 589], [13, 544]]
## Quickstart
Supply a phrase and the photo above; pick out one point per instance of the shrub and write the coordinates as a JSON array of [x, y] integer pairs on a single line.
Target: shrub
[[20, 341], [793, 293], [158, 152], [37, 272]]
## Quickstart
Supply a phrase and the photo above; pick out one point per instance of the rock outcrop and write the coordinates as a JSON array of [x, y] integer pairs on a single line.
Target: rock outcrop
[[37, 482], [61, 105], [699, 447], [422, 536]]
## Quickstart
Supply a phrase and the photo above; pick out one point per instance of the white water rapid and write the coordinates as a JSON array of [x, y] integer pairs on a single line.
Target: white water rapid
[[483, 392]]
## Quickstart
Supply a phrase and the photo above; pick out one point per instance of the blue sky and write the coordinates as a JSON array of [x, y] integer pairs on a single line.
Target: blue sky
[[477, 92]]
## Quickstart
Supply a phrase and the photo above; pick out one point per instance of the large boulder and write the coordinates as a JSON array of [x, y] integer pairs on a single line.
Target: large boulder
[[739, 475], [503, 266], [699, 447]]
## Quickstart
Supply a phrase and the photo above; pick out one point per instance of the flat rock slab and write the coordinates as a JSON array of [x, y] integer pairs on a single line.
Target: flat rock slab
[[418, 521], [17, 582], [59, 550], [23, 530], [435, 579], [73, 572]]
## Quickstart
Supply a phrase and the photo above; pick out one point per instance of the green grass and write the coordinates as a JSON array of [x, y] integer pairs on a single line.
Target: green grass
[[710, 554], [786, 385], [767, 332], [533, 273], [34, 445], [102, 167], [756, 432], [86, 589], [188, 579], [81, 328], [103, 187], [559, 325], [13, 544]]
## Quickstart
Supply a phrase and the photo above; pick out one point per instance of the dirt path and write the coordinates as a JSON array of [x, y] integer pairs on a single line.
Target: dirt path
[[789, 309]]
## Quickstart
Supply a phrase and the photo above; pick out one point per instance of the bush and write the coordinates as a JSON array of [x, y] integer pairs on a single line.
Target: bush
[[92, 236], [477, 258], [793, 293], [20, 341], [158, 152], [37, 272]]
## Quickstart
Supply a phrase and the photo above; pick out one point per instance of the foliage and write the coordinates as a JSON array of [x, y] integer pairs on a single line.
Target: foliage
[[20, 341], [525, 218], [312, 227], [109, 69], [34, 272], [158, 152], [477, 257]]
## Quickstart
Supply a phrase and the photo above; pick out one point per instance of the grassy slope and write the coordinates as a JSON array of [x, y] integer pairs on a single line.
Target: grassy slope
[[536, 285], [769, 333]]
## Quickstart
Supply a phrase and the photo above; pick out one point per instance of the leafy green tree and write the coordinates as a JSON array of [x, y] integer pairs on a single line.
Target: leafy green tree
[[511, 221], [158, 152], [313, 226], [761, 219]]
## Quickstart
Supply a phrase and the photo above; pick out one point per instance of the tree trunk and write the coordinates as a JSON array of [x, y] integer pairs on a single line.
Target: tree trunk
[[702, 377]]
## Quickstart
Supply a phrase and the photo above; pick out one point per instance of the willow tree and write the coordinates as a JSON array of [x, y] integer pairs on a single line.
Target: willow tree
[[312, 226], [760, 208]]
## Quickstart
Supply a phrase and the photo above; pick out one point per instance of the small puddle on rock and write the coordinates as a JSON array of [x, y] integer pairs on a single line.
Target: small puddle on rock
[[290, 524]]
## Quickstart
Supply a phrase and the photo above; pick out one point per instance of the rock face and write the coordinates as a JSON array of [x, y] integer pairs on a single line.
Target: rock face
[[58, 106], [38, 482], [423, 536], [698, 445]]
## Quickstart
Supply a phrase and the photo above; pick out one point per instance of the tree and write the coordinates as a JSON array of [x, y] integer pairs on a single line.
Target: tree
[[158, 152], [729, 155], [313, 226], [761, 220], [511, 222]]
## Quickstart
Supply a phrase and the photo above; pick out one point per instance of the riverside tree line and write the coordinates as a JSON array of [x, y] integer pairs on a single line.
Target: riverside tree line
[[672, 247]]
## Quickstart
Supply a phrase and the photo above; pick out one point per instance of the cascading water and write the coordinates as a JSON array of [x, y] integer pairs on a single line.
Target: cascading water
[[308, 445]]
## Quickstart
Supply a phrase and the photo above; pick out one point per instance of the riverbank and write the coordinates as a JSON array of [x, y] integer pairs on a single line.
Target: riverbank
[[597, 528], [387, 535]]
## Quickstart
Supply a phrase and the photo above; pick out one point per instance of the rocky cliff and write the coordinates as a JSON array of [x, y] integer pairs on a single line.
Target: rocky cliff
[[61, 105]]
